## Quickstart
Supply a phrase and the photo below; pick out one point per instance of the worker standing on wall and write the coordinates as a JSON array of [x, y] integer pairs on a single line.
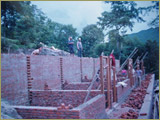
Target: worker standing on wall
[[70, 45], [79, 47]]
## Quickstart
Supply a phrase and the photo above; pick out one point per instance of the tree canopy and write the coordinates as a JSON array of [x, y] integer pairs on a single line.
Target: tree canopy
[[121, 16], [27, 26], [91, 36]]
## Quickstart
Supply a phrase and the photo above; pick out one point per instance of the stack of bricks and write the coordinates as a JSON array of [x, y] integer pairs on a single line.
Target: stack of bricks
[[131, 114], [29, 78], [136, 99]]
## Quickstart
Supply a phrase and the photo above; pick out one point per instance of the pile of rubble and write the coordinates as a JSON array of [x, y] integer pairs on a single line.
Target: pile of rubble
[[135, 100], [64, 107], [131, 114], [53, 52]]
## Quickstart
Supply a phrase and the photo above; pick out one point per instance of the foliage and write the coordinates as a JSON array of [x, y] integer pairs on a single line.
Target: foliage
[[91, 36], [10, 13], [152, 59], [154, 7], [122, 16], [9, 44], [99, 48], [29, 26]]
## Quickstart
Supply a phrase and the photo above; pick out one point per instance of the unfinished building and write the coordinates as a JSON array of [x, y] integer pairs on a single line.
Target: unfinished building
[[54, 87]]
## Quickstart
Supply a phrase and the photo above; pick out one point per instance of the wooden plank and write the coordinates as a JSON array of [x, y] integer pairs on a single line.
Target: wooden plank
[[101, 74], [108, 82], [130, 74], [114, 85]]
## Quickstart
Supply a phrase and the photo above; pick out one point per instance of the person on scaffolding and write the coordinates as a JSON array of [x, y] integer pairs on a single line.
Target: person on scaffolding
[[70, 45]]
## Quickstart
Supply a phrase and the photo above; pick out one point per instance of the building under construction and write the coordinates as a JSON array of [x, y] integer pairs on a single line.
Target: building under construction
[[62, 87]]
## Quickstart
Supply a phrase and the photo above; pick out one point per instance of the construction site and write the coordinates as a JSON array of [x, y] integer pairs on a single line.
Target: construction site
[[66, 87]]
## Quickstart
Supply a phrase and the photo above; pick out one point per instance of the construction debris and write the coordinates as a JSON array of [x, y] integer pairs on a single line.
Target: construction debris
[[135, 100], [53, 52], [45, 50], [131, 114], [64, 107]]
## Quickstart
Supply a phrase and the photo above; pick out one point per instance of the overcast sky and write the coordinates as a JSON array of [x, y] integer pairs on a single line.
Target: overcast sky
[[83, 13]]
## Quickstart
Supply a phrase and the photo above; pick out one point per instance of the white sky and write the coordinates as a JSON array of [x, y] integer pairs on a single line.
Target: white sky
[[83, 13]]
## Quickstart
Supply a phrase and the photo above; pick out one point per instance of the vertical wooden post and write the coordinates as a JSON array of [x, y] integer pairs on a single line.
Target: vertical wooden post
[[130, 74], [101, 74], [109, 82], [114, 85]]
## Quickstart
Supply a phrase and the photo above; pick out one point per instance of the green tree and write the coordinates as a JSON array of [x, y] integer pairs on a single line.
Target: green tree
[[152, 59], [12, 12], [99, 49], [122, 16], [65, 31], [91, 36], [151, 8], [155, 22]]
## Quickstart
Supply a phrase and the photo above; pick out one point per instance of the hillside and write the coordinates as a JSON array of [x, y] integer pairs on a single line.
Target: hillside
[[144, 35]]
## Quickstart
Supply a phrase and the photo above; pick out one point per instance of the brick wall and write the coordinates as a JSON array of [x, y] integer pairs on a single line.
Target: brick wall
[[30, 112], [49, 70], [14, 79], [41, 70], [56, 97], [88, 67], [93, 109], [45, 69], [71, 69]]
